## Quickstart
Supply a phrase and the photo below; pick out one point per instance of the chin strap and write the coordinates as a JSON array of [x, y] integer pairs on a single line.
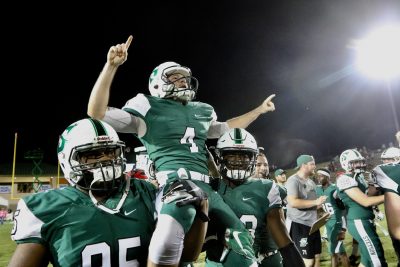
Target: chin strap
[[120, 203]]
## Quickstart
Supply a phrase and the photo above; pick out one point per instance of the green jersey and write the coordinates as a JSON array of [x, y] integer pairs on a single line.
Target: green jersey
[[330, 205], [79, 234], [387, 176], [354, 210], [175, 134], [251, 201]]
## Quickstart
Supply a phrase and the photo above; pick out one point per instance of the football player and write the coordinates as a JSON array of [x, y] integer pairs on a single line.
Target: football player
[[387, 177], [255, 201], [334, 226], [353, 187], [103, 218], [174, 129]]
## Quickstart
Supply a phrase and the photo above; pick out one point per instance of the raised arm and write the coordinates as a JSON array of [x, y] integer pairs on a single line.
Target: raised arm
[[245, 120], [100, 94]]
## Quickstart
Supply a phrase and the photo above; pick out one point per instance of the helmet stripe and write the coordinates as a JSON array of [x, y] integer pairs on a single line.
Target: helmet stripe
[[98, 127], [238, 136]]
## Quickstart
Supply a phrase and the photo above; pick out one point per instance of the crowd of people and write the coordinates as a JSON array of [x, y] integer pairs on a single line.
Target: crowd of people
[[184, 199]]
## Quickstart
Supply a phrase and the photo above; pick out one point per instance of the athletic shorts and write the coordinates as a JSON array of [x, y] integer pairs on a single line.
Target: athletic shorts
[[308, 245]]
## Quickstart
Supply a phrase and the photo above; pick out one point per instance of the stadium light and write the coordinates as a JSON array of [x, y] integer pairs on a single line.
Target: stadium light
[[378, 57], [378, 54]]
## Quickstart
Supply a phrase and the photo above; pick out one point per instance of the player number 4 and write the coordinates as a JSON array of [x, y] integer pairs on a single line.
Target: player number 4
[[188, 139]]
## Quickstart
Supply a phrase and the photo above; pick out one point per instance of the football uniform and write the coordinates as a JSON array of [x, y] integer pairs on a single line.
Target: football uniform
[[251, 201], [79, 234], [360, 222], [175, 138], [334, 225], [175, 133], [387, 176]]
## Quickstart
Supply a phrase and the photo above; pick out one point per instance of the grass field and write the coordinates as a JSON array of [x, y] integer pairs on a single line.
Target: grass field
[[7, 247]]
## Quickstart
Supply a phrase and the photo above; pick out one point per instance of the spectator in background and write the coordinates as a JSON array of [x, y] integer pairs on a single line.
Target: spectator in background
[[302, 210], [280, 178], [3, 215]]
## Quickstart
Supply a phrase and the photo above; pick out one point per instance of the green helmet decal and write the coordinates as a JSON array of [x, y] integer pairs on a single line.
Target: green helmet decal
[[62, 140], [153, 74]]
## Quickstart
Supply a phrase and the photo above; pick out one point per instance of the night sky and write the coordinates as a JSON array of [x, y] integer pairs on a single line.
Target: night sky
[[240, 51]]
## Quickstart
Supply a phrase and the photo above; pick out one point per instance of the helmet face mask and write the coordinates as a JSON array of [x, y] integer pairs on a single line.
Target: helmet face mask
[[171, 80], [237, 154], [352, 161], [92, 157]]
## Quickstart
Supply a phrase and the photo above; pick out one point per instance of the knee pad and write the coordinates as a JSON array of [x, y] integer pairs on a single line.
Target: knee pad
[[167, 241]]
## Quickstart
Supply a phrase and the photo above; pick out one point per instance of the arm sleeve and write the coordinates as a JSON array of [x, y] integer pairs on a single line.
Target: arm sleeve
[[26, 225], [344, 182], [291, 187], [121, 120], [217, 129]]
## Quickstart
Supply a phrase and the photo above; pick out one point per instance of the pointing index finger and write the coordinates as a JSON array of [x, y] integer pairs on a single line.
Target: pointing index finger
[[270, 97], [128, 42]]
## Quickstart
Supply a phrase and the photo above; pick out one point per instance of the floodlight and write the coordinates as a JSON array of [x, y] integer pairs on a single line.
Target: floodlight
[[378, 54]]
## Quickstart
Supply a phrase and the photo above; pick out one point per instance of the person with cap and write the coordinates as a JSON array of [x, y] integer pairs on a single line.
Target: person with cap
[[302, 210], [280, 177], [335, 226]]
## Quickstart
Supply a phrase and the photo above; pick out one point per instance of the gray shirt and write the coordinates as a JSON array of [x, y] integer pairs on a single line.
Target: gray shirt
[[302, 189]]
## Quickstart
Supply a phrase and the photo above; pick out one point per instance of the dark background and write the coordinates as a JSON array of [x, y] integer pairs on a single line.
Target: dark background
[[241, 52]]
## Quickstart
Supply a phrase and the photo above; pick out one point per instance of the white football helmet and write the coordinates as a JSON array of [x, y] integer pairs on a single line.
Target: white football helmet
[[161, 87], [352, 161], [240, 143], [92, 138], [391, 154]]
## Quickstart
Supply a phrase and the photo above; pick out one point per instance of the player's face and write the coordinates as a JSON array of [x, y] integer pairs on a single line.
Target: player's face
[[237, 161], [281, 178], [179, 80], [262, 167], [97, 155], [388, 160], [322, 179]]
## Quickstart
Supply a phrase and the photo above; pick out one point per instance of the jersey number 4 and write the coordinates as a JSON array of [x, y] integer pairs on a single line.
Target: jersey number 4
[[188, 139]]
